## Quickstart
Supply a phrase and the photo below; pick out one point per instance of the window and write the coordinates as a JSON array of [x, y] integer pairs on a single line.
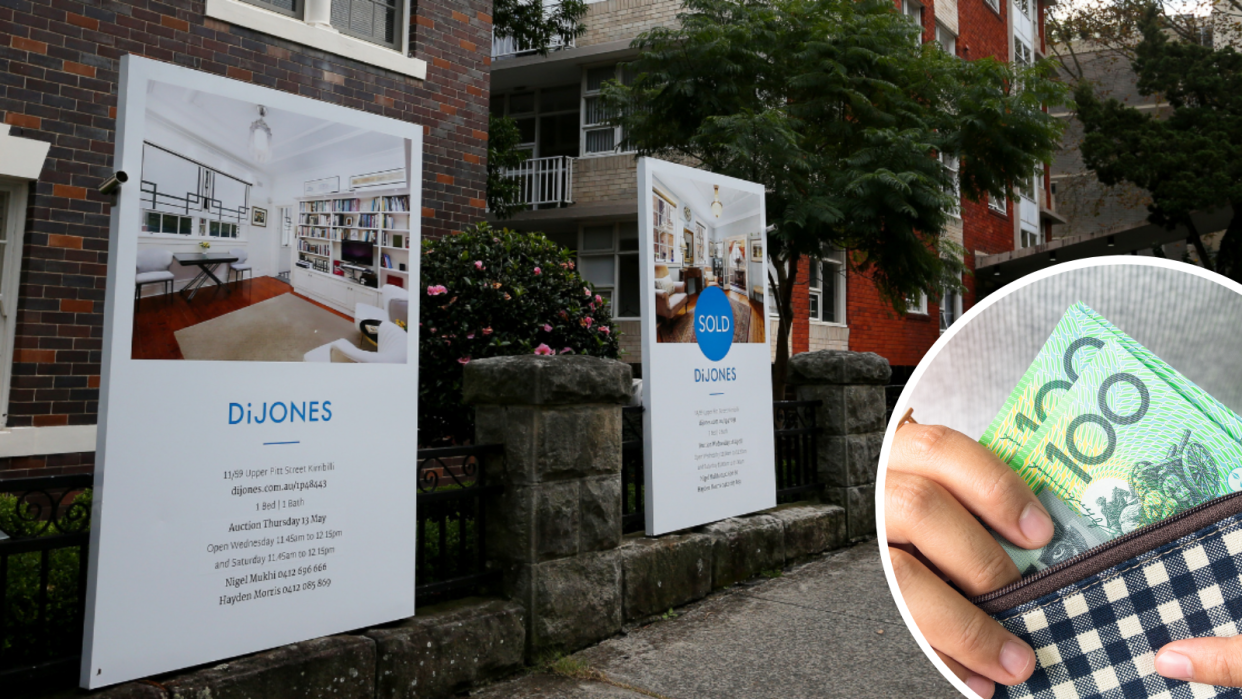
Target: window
[[217, 229], [374, 32], [994, 4], [953, 164], [293, 8], [547, 119], [826, 289], [168, 223], [598, 137], [950, 308], [663, 214], [1021, 53], [1028, 238], [370, 20], [913, 10], [946, 39], [608, 258], [916, 305], [997, 204]]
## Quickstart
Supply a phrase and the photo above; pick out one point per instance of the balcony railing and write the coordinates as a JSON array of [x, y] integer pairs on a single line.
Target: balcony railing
[[508, 47], [545, 182]]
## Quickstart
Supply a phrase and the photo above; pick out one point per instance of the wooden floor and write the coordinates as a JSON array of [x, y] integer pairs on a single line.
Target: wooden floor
[[157, 318], [758, 324]]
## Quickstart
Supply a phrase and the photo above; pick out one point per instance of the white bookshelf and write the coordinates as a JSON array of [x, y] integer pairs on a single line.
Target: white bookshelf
[[378, 217]]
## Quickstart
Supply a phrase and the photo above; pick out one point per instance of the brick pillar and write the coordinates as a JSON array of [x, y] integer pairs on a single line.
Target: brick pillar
[[556, 525], [851, 386]]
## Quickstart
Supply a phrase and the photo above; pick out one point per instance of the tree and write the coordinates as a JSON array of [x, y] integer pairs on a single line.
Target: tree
[[537, 25], [503, 192], [839, 111], [1191, 158]]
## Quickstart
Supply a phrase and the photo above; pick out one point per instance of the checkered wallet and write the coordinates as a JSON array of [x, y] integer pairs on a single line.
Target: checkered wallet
[[1096, 620]]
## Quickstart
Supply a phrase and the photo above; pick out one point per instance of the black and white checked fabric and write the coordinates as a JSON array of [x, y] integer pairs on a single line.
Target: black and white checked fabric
[[1098, 637]]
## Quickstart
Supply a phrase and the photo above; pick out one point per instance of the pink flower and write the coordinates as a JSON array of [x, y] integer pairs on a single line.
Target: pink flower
[[463, 360], [436, 290], [487, 331], [547, 328], [478, 264], [605, 329], [433, 330], [598, 299], [543, 349], [586, 322], [586, 291], [591, 305], [567, 351], [470, 336], [538, 271]]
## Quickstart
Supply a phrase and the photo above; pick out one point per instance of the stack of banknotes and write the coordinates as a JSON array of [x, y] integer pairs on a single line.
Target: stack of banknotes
[[1111, 438]]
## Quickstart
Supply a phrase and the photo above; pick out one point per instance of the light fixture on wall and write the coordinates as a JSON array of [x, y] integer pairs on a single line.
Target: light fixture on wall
[[717, 207], [260, 138]]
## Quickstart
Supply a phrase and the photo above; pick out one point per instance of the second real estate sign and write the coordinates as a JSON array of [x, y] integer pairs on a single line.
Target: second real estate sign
[[707, 379], [255, 483]]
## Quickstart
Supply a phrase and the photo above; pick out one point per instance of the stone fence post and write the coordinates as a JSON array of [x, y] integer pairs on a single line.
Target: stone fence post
[[555, 525], [851, 386]]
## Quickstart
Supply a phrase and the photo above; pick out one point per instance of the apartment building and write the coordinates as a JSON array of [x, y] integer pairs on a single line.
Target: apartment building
[[424, 62], [581, 187]]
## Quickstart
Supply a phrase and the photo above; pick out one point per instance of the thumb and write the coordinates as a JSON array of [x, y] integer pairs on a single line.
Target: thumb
[[1215, 661]]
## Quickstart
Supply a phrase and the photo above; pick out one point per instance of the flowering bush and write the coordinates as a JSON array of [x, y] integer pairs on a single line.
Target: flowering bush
[[493, 293]]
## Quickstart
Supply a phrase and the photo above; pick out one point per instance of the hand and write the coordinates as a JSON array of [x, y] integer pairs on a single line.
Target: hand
[[1216, 661], [938, 481]]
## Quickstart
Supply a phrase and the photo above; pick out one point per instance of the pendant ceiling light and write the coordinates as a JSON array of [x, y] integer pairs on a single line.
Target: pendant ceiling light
[[260, 138], [717, 207]]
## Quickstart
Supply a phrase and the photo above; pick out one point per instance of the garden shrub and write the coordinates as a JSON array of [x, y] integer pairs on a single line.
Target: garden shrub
[[495, 292]]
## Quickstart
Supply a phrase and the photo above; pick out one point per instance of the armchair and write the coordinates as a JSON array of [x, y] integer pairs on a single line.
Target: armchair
[[394, 302], [153, 267], [393, 349], [669, 303]]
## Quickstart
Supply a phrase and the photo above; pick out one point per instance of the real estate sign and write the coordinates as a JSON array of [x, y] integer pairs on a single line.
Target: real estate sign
[[707, 379], [251, 490]]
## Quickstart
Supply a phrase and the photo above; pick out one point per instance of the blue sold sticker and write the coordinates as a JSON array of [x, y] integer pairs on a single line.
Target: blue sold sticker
[[713, 323]]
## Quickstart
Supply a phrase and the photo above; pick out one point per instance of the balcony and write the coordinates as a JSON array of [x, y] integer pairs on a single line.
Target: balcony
[[508, 47], [545, 182]]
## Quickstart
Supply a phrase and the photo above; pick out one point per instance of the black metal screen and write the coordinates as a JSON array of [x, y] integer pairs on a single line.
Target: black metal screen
[[43, 563], [372, 20], [632, 492], [797, 441]]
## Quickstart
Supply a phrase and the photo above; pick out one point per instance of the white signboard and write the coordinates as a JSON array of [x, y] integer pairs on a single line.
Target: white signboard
[[707, 377], [251, 490]]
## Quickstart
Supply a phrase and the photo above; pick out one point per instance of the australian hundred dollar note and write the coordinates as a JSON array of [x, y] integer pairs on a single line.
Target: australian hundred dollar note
[[1122, 450]]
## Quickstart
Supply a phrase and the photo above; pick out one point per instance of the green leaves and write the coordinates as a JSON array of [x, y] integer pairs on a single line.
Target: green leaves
[[839, 110], [497, 304]]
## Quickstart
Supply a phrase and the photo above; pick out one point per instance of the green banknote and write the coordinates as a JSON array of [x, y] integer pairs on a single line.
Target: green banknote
[[1071, 347], [1124, 449]]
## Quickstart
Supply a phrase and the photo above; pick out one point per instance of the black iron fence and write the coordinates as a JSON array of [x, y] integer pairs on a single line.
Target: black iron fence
[[452, 530], [797, 442], [45, 525], [632, 491]]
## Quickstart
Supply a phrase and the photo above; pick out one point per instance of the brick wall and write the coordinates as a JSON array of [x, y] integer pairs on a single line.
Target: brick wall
[[875, 327], [983, 31], [606, 178], [616, 20], [59, 65]]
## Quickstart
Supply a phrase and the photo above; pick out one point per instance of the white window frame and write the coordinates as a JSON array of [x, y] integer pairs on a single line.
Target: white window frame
[[831, 269], [953, 298], [618, 134], [917, 307], [609, 291], [954, 165], [532, 147], [946, 39], [994, 4], [13, 219], [914, 10], [314, 29], [998, 205]]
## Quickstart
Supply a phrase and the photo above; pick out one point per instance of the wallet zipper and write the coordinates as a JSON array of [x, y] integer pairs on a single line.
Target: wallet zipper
[[1109, 554]]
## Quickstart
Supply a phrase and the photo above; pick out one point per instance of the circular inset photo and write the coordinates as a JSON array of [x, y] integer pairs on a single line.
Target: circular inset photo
[[1058, 498]]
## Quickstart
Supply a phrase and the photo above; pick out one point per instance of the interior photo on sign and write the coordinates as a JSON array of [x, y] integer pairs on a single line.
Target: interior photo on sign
[[268, 235], [706, 235]]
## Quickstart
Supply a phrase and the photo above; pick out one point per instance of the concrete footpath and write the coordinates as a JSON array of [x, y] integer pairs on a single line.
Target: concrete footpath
[[827, 628]]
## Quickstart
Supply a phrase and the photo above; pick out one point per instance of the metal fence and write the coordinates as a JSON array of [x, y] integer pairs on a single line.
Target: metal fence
[[796, 439], [43, 562], [545, 181], [632, 490]]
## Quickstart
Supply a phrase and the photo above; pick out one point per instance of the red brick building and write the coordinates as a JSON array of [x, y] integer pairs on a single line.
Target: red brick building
[[426, 62]]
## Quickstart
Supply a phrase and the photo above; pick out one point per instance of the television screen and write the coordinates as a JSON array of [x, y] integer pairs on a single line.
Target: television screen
[[362, 254]]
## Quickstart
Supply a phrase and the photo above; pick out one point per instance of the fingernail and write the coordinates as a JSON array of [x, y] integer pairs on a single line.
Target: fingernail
[[981, 686], [1015, 657], [1174, 666], [1035, 524]]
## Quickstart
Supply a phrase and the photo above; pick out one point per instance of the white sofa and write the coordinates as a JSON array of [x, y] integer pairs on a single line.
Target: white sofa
[[395, 302], [393, 348]]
